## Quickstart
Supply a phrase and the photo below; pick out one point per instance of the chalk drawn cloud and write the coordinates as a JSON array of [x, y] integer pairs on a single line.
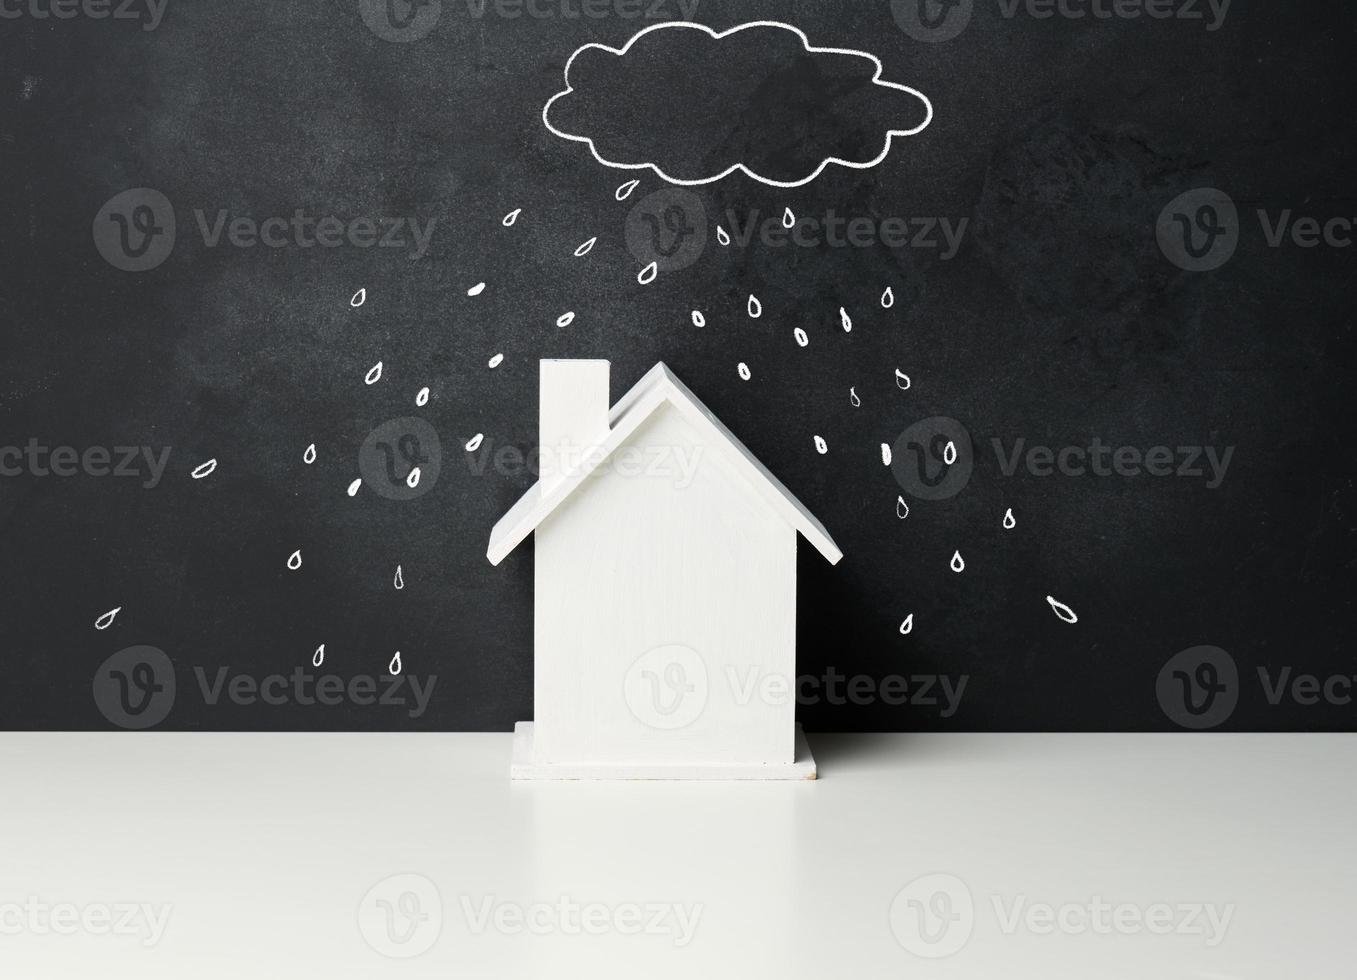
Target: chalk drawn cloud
[[696, 105]]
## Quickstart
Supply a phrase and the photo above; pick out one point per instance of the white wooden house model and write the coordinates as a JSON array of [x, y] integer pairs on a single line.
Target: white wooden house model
[[665, 605]]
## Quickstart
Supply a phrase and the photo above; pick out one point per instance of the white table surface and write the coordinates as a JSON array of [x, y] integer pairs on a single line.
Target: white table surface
[[257, 856]]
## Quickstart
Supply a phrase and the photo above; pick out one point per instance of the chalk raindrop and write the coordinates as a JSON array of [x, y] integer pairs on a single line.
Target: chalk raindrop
[[1062, 610]]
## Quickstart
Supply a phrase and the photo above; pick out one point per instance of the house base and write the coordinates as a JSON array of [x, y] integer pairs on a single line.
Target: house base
[[522, 766]]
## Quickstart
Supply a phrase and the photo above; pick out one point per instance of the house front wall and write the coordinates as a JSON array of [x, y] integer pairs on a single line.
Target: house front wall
[[665, 611]]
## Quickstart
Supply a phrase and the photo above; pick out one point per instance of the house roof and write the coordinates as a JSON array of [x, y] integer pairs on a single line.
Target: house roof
[[658, 387]]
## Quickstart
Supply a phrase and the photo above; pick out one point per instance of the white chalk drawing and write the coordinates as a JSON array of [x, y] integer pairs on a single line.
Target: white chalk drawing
[[399, 580], [359, 298], [496, 361], [754, 307], [1062, 610], [821, 446], [949, 453], [845, 320], [886, 454], [106, 620], [318, 657], [422, 397], [788, 219], [902, 380], [585, 247], [566, 318], [394, 667], [887, 298], [474, 442], [800, 336], [476, 290], [204, 469], [623, 190], [374, 374], [309, 456], [901, 508], [722, 236], [647, 275], [412, 478], [508, 220], [853, 398], [294, 560], [698, 319], [1010, 522], [958, 563], [353, 487], [805, 42], [907, 627], [743, 370]]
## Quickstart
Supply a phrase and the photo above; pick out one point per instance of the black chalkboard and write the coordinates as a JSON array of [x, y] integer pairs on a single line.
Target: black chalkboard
[[1119, 270]]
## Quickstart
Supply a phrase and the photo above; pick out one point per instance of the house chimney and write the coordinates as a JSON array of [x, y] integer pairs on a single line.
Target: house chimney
[[572, 415]]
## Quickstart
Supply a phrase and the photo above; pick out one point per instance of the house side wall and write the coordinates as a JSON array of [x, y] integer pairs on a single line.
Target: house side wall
[[665, 612]]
